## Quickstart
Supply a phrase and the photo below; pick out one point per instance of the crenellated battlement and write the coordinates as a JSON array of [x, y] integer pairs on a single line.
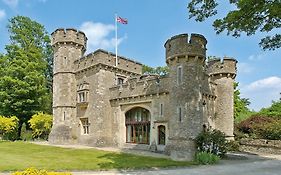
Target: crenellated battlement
[[69, 36], [224, 67], [180, 46], [107, 58]]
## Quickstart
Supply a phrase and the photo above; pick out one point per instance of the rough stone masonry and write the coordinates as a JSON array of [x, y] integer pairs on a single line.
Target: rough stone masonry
[[100, 102]]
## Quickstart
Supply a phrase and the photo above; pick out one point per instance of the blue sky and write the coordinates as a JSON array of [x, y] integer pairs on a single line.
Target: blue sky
[[151, 23]]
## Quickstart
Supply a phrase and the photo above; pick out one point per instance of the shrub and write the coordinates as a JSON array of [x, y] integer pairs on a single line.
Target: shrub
[[206, 158], [233, 145], [270, 131], [33, 171], [254, 123], [8, 127], [41, 125], [212, 142]]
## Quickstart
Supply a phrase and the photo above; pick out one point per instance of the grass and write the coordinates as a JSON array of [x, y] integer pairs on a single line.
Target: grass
[[21, 155]]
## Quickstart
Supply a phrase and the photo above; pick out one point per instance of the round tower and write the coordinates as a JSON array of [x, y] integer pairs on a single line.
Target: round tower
[[186, 60], [68, 45], [223, 73]]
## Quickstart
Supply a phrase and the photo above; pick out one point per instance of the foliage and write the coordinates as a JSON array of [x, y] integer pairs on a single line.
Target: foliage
[[162, 71], [26, 133], [251, 124], [23, 77], [212, 142], [264, 16], [233, 145], [33, 171], [21, 155], [206, 158], [8, 127], [241, 109], [271, 131], [41, 125], [274, 110]]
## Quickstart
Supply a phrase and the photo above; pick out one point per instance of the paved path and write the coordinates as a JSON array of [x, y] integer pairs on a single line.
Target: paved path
[[251, 165]]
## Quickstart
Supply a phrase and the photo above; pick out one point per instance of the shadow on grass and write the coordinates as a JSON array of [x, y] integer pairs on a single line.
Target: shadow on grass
[[126, 161]]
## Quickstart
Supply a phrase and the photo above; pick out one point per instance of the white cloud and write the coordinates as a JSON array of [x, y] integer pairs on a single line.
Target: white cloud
[[256, 57], [100, 35], [262, 92], [11, 3], [244, 68], [2, 14]]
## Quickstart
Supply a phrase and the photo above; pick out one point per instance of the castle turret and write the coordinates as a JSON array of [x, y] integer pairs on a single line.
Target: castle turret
[[223, 72], [186, 61], [68, 45]]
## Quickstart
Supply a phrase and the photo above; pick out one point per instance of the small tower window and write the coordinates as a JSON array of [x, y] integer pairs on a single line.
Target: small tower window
[[120, 81], [161, 109], [180, 114], [179, 75], [85, 125], [82, 92]]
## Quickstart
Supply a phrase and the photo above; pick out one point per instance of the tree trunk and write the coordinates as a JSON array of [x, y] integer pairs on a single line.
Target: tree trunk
[[19, 130]]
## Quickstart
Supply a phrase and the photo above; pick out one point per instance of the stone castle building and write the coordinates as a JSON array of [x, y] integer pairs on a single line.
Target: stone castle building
[[100, 102]]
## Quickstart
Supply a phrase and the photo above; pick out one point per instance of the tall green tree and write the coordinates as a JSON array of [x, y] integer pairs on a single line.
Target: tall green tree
[[24, 70], [241, 110], [249, 16]]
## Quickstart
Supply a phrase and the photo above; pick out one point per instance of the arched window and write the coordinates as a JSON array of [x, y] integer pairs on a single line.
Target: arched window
[[161, 135], [137, 125]]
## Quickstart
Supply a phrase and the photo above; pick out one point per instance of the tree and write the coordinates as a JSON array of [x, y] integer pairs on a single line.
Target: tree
[[23, 71], [162, 71], [240, 105], [249, 17]]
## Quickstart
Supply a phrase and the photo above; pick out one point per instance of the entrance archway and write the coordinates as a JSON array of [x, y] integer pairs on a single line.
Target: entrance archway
[[137, 125]]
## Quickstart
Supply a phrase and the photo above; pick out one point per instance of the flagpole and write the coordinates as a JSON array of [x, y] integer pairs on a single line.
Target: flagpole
[[116, 57]]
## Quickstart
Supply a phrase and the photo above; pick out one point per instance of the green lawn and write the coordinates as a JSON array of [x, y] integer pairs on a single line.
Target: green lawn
[[21, 155]]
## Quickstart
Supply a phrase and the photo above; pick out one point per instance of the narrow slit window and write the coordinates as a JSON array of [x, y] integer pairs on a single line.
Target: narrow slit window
[[179, 75], [161, 109], [180, 114]]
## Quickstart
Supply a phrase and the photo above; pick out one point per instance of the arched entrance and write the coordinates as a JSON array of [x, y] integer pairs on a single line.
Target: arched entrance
[[137, 125]]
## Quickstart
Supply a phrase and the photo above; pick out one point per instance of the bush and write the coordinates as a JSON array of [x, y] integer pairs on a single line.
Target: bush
[[26, 134], [41, 125], [8, 127], [212, 142], [270, 131], [233, 145], [253, 123], [33, 171], [206, 158]]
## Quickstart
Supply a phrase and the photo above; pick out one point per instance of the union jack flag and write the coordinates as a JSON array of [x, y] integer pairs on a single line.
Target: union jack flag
[[122, 20]]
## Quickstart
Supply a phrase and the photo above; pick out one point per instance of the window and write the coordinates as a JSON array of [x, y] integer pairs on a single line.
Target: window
[[161, 109], [137, 126], [179, 75], [85, 125], [81, 97], [180, 114], [82, 92], [120, 81], [161, 135]]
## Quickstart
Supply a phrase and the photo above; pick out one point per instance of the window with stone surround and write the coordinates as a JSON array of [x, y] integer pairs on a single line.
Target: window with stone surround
[[161, 109], [85, 125], [179, 75], [83, 92]]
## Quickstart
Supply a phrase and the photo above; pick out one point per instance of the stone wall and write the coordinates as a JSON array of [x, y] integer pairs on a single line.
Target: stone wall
[[261, 146]]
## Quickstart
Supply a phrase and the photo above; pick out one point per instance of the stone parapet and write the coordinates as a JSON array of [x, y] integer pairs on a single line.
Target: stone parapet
[[140, 87], [179, 45], [224, 67], [107, 58], [62, 36]]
